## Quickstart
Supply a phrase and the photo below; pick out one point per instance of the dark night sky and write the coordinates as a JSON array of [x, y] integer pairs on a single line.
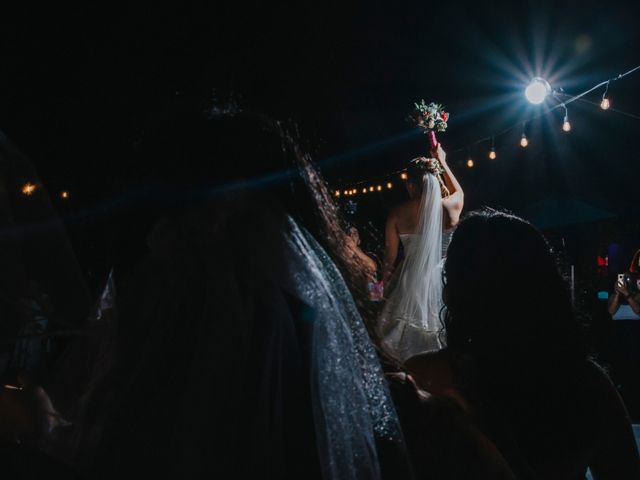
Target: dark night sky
[[78, 86]]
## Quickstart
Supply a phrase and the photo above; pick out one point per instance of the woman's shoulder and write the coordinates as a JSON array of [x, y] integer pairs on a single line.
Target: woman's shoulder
[[595, 376], [615, 454], [602, 395]]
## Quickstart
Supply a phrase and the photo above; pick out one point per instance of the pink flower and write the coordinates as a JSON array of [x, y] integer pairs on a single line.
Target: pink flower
[[445, 116]]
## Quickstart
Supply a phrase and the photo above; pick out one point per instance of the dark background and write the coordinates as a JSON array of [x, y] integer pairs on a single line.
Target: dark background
[[79, 87]]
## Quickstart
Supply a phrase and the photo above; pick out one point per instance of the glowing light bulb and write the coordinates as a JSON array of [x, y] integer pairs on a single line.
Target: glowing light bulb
[[523, 141], [492, 154], [389, 185], [403, 176], [537, 90], [371, 188], [65, 195], [379, 188], [566, 126], [364, 190], [605, 104], [28, 189], [470, 163]]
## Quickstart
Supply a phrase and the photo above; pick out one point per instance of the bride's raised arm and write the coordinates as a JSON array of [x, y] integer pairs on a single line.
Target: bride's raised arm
[[454, 203]]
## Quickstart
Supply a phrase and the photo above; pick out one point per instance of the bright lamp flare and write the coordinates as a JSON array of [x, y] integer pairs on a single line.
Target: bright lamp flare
[[470, 163], [605, 104], [523, 141], [492, 154], [566, 126], [537, 90]]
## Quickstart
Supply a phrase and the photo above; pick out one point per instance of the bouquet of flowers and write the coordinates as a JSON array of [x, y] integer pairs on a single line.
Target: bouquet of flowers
[[431, 118]]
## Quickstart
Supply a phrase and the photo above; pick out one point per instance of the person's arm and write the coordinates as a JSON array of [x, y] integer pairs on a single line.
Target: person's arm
[[432, 371], [614, 303], [369, 262], [454, 203], [634, 302], [391, 243], [363, 259], [621, 290]]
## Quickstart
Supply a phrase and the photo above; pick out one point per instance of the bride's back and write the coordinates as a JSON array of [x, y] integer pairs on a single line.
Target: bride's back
[[406, 215]]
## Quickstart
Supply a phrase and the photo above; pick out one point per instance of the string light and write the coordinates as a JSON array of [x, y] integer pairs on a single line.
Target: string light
[[28, 189], [605, 104], [338, 193], [389, 185], [566, 126], [536, 93], [364, 190], [470, 163], [523, 140], [379, 188], [371, 188]]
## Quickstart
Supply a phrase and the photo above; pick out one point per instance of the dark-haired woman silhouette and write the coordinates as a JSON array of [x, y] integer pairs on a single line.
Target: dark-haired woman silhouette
[[521, 375], [240, 351]]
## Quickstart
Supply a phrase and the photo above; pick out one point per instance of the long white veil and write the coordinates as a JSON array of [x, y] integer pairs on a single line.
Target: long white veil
[[409, 323]]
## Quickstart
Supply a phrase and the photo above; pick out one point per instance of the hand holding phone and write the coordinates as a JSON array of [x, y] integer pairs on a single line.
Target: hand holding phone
[[620, 285]]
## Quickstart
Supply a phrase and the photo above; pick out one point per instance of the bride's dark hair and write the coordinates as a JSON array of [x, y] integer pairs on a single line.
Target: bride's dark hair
[[416, 176]]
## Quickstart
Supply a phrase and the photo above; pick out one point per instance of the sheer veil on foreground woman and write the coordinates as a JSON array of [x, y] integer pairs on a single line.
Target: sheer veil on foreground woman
[[240, 348]]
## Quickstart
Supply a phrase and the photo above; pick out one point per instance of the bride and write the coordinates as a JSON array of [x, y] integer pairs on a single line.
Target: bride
[[409, 322]]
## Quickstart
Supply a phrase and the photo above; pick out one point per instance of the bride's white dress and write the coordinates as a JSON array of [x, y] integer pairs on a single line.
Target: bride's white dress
[[410, 320]]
